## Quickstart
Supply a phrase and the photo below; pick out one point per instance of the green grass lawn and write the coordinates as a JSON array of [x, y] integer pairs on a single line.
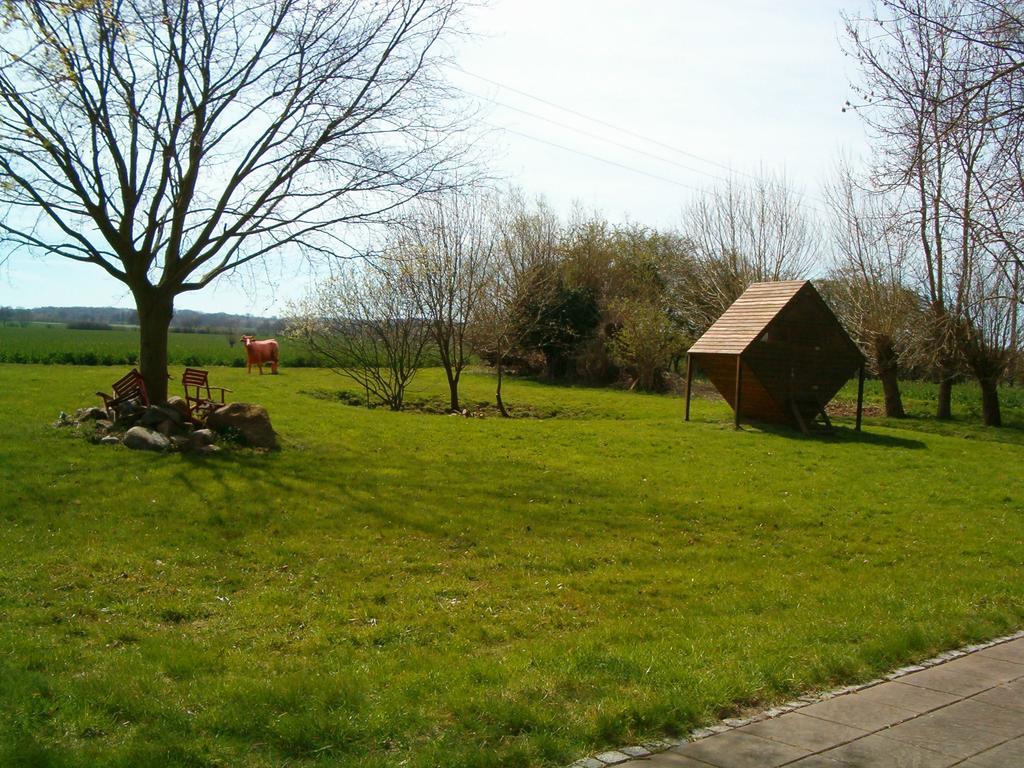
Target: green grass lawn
[[406, 589]]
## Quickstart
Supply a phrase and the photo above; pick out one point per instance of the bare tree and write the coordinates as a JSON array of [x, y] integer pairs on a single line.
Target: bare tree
[[940, 111], [739, 234], [447, 246], [990, 333], [170, 143], [866, 285], [524, 268], [364, 323]]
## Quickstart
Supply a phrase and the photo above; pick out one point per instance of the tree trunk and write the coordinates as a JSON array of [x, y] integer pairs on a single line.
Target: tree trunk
[[453, 390], [943, 339], [990, 402], [944, 409], [888, 372], [155, 312], [497, 393]]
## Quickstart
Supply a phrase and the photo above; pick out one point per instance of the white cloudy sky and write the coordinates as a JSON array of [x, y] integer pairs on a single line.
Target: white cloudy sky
[[737, 84]]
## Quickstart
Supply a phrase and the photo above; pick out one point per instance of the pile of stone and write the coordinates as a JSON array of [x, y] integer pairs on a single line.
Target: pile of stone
[[167, 428]]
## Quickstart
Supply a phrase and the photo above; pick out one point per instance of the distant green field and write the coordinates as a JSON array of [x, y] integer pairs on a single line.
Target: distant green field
[[53, 343]]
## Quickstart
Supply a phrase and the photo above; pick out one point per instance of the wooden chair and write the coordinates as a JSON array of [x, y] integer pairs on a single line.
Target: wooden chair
[[199, 394], [127, 388]]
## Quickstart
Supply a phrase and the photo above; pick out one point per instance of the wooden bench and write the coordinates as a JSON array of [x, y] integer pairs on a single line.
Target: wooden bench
[[199, 394], [127, 388]]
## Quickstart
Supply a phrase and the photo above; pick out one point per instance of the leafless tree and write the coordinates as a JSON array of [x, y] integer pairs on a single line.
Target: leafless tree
[[866, 285], [364, 323], [741, 233], [990, 332], [525, 265], [938, 109], [170, 143], [447, 246]]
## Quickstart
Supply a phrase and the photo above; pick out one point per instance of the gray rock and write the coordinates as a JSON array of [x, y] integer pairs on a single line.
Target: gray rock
[[110, 440], [203, 437], [180, 443], [155, 415], [206, 450], [179, 406], [90, 414], [635, 751], [250, 421], [612, 757], [142, 439]]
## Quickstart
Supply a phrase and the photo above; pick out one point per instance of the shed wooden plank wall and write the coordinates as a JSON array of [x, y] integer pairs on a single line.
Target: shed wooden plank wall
[[792, 347]]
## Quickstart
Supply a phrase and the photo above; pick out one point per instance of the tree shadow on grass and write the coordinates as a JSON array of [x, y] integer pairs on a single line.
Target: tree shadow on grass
[[421, 498]]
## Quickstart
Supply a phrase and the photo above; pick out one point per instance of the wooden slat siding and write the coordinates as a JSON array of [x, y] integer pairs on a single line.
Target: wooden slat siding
[[758, 402], [747, 318], [793, 349]]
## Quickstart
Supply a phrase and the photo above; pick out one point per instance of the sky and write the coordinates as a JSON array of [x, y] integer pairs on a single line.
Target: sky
[[626, 108]]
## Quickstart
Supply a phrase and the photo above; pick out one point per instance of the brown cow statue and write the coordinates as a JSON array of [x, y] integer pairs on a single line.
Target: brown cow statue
[[260, 352]]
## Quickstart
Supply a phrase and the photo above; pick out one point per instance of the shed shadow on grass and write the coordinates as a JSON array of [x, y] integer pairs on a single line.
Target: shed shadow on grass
[[839, 435]]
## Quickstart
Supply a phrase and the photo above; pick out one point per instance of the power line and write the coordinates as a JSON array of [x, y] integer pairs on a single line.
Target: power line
[[598, 158], [591, 134], [605, 123], [626, 131]]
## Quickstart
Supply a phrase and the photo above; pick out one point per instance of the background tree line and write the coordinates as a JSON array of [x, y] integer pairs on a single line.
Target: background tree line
[[169, 149]]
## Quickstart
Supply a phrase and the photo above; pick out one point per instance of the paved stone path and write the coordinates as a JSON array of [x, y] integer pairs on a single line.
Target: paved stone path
[[967, 712]]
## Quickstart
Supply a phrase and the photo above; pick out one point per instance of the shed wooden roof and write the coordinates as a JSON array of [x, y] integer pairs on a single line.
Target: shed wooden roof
[[747, 318]]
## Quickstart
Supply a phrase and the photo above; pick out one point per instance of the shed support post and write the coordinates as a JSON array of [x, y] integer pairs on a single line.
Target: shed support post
[[689, 382], [739, 390], [860, 394]]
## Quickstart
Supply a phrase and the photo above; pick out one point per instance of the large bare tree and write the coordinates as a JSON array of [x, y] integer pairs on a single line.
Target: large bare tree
[[867, 287], [945, 116], [169, 143]]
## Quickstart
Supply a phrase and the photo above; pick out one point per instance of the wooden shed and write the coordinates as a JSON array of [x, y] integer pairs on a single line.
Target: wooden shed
[[778, 354]]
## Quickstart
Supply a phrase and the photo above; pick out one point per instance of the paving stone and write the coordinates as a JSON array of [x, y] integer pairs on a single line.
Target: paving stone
[[1010, 754], [965, 676], [636, 751], [701, 733], [959, 730], [741, 750], [1008, 723], [656, 746], [667, 760], [817, 761], [1010, 695], [612, 757], [1012, 651], [909, 697], [858, 713], [876, 751], [907, 670], [810, 733], [588, 762]]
